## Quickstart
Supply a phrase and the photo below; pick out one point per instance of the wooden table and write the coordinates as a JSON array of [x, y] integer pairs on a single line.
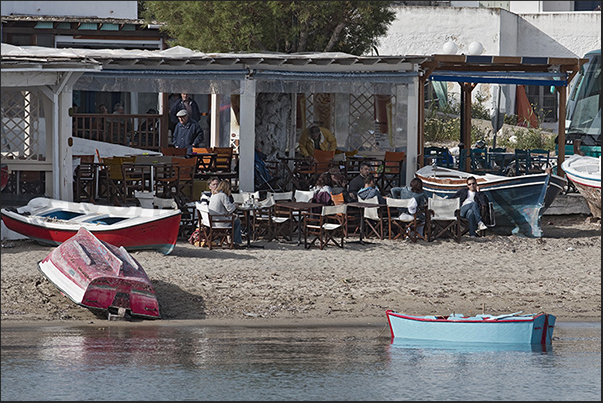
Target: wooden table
[[247, 209], [362, 206], [166, 168], [298, 207]]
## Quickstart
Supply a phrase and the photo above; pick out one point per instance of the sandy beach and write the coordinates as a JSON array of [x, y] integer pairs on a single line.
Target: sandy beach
[[283, 283]]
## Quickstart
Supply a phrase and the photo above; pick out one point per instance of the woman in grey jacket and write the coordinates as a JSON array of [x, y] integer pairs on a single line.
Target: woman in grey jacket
[[219, 203]]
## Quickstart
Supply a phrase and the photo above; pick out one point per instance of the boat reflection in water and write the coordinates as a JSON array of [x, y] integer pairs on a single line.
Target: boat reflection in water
[[447, 347]]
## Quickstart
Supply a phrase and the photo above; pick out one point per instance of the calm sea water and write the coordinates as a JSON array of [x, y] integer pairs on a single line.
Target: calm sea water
[[290, 363]]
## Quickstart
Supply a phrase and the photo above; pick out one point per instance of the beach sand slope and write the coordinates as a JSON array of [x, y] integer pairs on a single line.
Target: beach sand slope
[[559, 273]]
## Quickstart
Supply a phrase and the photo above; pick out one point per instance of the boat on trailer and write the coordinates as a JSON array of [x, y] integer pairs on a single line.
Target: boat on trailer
[[518, 201], [101, 277], [510, 328], [51, 222]]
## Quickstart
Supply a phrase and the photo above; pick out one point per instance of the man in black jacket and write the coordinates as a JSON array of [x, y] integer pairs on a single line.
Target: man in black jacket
[[472, 201], [358, 182]]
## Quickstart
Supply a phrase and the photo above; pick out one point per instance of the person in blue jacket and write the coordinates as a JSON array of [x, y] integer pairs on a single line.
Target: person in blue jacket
[[188, 133]]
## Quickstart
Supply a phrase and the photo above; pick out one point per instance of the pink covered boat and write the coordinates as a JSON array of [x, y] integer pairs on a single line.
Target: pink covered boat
[[100, 276]]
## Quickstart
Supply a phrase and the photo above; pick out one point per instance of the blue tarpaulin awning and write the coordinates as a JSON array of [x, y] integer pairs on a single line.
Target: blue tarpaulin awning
[[524, 78]]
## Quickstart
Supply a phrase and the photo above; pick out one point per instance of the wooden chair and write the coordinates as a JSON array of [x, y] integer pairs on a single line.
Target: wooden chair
[[116, 180], [373, 220], [444, 219], [272, 223], [480, 163], [497, 161], [185, 174], [439, 156], [539, 160], [304, 174], [404, 225], [392, 169], [522, 162], [133, 179], [326, 227], [223, 159], [173, 151], [85, 179], [206, 163], [337, 199], [283, 212], [303, 195], [216, 229]]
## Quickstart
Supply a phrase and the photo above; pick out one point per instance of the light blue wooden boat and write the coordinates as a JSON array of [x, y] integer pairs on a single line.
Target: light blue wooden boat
[[509, 329], [519, 201]]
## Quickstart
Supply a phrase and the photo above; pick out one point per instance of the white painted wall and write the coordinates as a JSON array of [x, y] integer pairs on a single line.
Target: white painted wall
[[425, 30], [99, 9], [570, 34]]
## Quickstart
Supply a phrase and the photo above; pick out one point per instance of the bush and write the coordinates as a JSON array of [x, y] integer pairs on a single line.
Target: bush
[[526, 139], [444, 125]]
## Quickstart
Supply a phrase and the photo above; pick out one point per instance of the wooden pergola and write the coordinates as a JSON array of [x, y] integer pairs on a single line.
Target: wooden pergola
[[469, 70]]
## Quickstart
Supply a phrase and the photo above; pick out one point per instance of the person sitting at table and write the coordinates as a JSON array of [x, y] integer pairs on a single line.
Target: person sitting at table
[[220, 203], [340, 184], [316, 138], [358, 182], [413, 190], [188, 133], [370, 190], [212, 183], [322, 191]]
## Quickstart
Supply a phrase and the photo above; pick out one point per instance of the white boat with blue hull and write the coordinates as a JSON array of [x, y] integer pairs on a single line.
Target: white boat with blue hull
[[508, 329], [519, 201]]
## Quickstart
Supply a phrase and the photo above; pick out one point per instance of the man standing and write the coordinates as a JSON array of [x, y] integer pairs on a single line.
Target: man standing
[[188, 133], [316, 138], [189, 105]]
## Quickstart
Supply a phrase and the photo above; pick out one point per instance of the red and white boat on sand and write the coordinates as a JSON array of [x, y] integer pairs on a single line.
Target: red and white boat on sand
[[100, 276], [51, 222]]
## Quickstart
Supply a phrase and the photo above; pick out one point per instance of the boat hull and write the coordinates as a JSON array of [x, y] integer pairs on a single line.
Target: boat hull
[[52, 222], [585, 173], [100, 276], [519, 201], [526, 329]]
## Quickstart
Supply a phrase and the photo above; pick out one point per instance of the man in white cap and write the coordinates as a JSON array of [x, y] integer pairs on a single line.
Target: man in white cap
[[188, 133]]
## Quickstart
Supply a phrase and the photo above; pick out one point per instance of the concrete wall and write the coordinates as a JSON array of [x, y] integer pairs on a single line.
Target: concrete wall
[[569, 34], [100, 9], [425, 30]]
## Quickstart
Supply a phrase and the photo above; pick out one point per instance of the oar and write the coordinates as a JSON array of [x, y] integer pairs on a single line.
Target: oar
[[505, 316]]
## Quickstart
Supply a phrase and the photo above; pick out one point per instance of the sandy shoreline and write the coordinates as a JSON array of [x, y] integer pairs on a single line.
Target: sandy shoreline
[[286, 285]]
